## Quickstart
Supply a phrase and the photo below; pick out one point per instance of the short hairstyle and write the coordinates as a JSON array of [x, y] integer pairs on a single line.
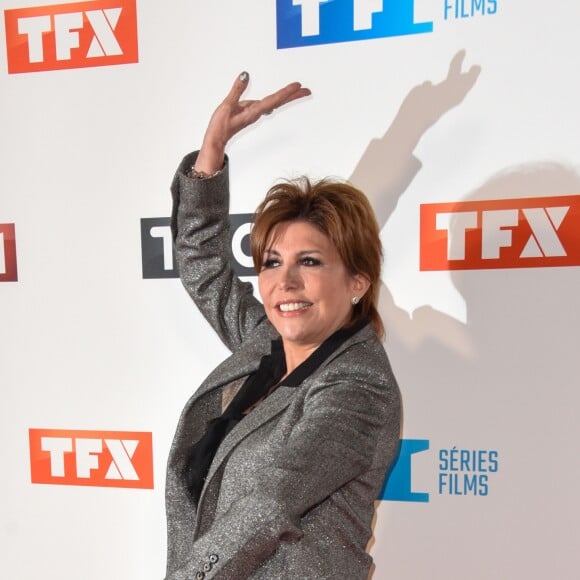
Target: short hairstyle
[[340, 211]]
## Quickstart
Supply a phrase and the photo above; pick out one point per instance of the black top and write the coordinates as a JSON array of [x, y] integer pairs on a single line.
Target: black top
[[257, 386]]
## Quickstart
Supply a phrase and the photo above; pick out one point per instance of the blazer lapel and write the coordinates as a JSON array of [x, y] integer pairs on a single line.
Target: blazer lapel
[[269, 408], [265, 411]]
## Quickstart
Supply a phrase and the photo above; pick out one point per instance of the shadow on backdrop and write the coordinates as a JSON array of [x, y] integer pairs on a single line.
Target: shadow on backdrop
[[506, 379]]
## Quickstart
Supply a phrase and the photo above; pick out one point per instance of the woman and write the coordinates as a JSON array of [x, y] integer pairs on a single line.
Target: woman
[[279, 455]]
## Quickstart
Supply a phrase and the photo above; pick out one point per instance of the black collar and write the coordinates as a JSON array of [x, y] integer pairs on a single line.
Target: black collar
[[305, 369]]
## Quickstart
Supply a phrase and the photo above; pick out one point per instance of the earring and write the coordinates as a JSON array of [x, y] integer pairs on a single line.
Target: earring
[[355, 300]]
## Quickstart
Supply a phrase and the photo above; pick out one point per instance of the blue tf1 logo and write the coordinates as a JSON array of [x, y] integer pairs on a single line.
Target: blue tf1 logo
[[398, 484], [309, 22]]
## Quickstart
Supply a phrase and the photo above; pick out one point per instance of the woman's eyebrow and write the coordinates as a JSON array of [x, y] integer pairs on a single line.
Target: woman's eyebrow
[[271, 251]]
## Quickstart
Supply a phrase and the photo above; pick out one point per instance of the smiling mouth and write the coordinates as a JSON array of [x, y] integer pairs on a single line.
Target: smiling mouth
[[293, 306]]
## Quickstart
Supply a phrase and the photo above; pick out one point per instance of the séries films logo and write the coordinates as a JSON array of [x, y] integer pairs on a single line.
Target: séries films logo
[[508, 233], [8, 269], [92, 458], [458, 472], [66, 36], [310, 22]]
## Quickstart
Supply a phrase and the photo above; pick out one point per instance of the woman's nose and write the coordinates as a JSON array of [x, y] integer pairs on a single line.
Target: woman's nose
[[289, 278]]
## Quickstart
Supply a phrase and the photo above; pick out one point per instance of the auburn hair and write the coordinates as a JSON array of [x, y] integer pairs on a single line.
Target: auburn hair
[[340, 211]]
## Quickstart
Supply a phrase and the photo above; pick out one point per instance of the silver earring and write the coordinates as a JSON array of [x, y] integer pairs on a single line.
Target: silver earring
[[355, 300]]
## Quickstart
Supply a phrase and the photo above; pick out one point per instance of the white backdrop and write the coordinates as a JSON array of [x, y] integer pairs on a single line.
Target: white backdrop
[[486, 487]]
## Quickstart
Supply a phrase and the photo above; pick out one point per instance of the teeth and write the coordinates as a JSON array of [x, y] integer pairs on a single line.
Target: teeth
[[289, 307]]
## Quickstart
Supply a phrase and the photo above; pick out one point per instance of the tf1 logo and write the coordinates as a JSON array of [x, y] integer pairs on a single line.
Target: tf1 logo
[[93, 458], [398, 484], [506, 233], [309, 22], [8, 269], [66, 36], [158, 255]]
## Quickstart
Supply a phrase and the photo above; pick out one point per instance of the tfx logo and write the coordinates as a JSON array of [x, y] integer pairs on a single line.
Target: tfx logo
[[66, 36], [92, 458], [508, 233], [309, 22], [8, 269], [158, 255]]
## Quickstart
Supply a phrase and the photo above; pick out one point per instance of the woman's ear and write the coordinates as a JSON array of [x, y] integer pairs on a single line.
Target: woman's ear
[[360, 285]]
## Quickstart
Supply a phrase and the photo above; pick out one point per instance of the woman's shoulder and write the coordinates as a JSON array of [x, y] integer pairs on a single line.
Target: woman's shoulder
[[361, 359], [363, 345]]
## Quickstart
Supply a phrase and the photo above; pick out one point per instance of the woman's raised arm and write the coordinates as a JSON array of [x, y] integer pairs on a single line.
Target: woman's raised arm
[[199, 218]]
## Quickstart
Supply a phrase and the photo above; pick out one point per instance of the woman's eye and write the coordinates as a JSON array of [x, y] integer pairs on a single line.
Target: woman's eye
[[309, 261], [270, 263]]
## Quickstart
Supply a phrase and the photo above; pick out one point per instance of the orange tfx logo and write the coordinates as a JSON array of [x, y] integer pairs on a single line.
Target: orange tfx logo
[[65, 36], [8, 269], [94, 458], [509, 233]]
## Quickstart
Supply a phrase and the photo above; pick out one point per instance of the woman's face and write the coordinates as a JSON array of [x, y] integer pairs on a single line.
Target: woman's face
[[306, 289]]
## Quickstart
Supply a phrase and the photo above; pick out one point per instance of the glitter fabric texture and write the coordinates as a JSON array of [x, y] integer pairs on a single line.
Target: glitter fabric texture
[[291, 490]]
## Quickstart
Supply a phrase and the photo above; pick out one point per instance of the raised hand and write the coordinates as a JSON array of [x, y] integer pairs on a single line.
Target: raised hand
[[233, 115], [428, 102]]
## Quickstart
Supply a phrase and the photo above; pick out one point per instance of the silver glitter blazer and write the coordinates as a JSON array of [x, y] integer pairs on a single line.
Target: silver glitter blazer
[[291, 490]]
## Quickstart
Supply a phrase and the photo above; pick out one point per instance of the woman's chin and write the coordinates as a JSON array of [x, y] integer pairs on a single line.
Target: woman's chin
[[293, 332]]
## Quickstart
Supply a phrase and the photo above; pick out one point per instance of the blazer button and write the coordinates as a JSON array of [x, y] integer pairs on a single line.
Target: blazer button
[[199, 576], [213, 558], [207, 567]]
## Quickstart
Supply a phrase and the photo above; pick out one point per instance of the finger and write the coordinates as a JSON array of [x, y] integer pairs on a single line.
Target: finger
[[472, 74], [455, 65], [238, 88], [299, 93], [474, 71], [285, 95]]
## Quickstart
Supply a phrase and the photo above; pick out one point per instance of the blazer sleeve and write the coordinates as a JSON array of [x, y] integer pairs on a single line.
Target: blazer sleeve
[[200, 228], [333, 443]]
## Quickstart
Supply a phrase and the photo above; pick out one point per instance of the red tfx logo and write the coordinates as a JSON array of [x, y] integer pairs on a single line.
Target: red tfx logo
[[8, 270], [95, 458], [64, 36], [507, 233]]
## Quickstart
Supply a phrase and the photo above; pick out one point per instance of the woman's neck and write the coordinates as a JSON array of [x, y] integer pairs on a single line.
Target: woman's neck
[[296, 354]]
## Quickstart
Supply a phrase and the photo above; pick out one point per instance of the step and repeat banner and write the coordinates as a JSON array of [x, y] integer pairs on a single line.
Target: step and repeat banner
[[460, 120]]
